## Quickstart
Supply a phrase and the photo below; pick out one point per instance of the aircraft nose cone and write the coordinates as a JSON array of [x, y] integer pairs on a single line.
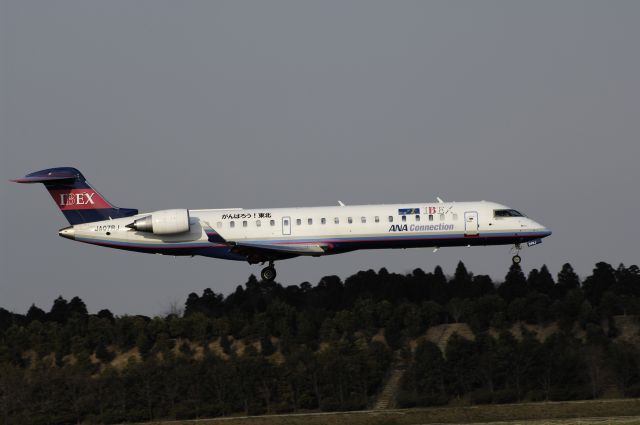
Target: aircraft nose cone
[[543, 230], [68, 233]]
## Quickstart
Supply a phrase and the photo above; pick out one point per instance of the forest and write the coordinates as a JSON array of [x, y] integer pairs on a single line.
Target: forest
[[267, 348]]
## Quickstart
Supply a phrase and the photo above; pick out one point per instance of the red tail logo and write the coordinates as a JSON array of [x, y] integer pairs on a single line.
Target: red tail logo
[[79, 199]]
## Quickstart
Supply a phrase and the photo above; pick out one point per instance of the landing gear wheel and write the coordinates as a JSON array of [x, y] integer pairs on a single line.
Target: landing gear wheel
[[516, 259], [268, 274]]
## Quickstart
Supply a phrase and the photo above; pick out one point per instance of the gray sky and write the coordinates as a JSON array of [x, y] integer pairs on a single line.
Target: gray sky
[[201, 104]]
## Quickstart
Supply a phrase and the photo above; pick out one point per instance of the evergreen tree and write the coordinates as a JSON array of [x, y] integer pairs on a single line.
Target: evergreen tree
[[36, 313], [459, 309], [482, 311], [487, 350], [567, 280], [6, 319], [599, 282], [60, 310], [627, 281], [461, 363], [625, 360], [393, 331], [460, 285], [482, 285], [515, 284], [106, 314], [266, 346], [77, 307], [191, 305], [424, 381], [541, 281], [144, 343], [103, 354], [225, 343], [438, 286]]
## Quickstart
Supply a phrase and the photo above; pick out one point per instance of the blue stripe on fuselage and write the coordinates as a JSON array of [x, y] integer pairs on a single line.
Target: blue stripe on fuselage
[[341, 244]]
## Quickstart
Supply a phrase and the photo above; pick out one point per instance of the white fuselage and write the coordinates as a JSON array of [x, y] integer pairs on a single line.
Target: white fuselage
[[335, 229]]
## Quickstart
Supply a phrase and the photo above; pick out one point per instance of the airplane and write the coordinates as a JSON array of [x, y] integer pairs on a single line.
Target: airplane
[[266, 235]]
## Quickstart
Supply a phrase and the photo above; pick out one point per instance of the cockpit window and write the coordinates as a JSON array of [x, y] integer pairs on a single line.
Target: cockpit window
[[507, 213]]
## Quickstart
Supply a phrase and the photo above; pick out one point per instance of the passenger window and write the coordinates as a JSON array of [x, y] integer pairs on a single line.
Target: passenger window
[[377, 219], [232, 224], [430, 217], [273, 222], [390, 219], [244, 224], [363, 219], [258, 224], [336, 220], [418, 218], [310, 221], [455, 216], [323, 220], [286, 222], [298, 222], [441, 217], [350, 220], [404, 218]]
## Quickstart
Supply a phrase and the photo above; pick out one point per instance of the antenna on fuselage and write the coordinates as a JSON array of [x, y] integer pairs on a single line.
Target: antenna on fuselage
[[440, 201], [341, 203]]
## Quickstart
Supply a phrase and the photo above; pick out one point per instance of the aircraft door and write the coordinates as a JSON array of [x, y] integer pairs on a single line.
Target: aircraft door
[[471, 223], [286, 225]]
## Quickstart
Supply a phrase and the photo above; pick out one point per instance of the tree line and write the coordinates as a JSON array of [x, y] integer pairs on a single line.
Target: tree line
[[269, 348]]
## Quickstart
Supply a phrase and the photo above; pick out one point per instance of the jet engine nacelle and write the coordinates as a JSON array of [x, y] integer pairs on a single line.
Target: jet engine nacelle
[[165, 222]]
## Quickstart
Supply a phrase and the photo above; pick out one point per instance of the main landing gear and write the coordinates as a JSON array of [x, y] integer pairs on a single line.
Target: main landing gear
[[516, 258], [268, 274]]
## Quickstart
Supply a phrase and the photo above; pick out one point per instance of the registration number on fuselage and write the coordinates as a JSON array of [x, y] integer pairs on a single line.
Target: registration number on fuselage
[[107, 227]]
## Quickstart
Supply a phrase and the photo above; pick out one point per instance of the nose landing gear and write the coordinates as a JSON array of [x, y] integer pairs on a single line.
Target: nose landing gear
[[516, 259], [268, 273]]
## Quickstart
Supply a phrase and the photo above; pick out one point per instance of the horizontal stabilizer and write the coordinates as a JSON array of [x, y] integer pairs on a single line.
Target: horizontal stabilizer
[[51, 175], [45, 179]]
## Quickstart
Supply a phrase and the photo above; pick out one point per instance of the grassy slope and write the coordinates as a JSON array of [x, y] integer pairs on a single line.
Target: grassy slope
[[623, 411]]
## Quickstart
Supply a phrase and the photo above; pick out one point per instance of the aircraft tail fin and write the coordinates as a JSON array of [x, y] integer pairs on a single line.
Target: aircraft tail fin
[[78, 201]]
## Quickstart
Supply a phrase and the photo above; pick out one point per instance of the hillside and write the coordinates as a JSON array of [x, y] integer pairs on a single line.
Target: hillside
[[375, 340]]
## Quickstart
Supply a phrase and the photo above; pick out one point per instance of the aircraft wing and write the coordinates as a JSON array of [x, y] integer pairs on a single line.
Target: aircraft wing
[[281, 248], [265, 251], [261, 252]]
